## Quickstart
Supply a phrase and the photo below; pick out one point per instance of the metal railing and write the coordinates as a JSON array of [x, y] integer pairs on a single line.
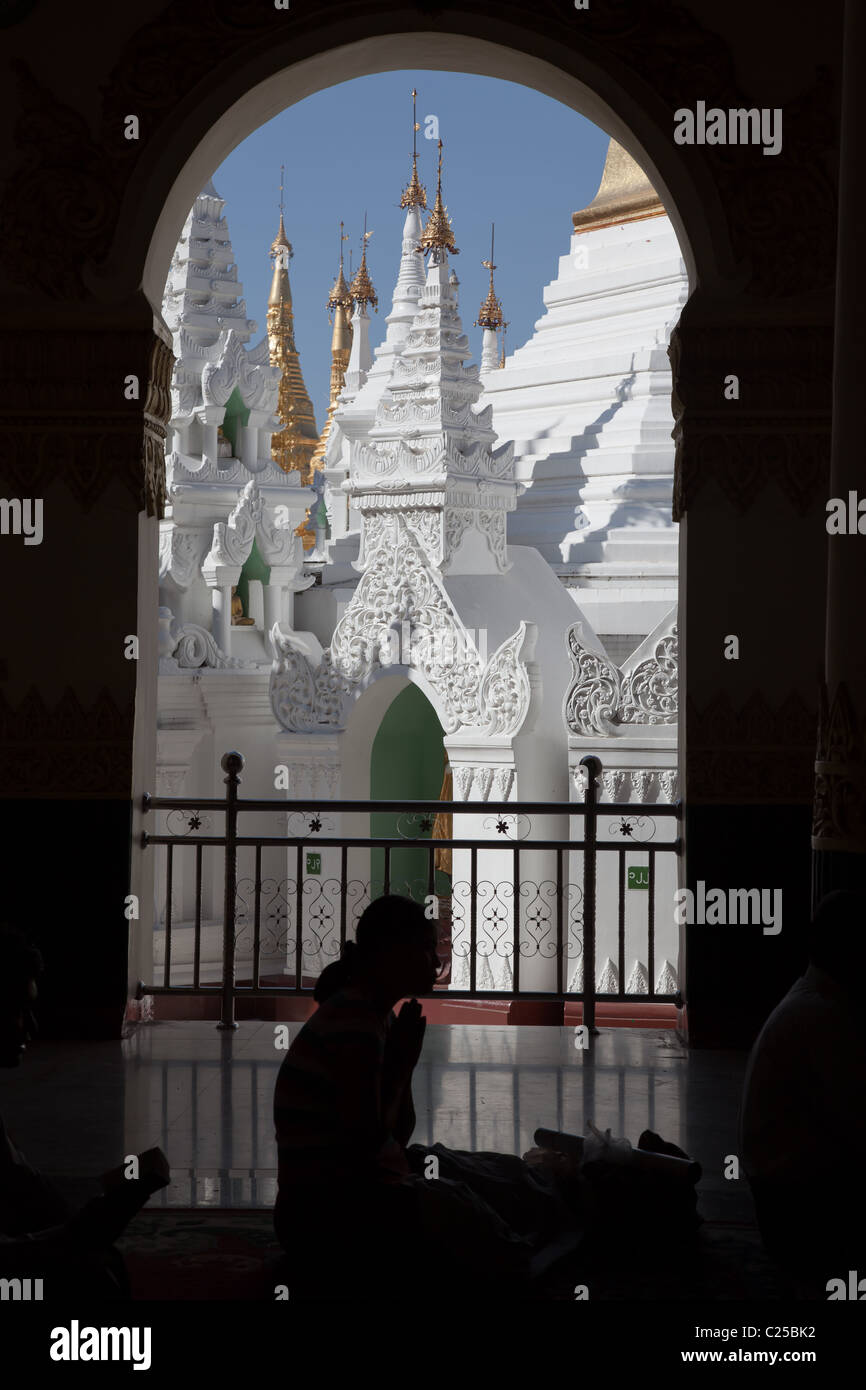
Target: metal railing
[[520, 924]]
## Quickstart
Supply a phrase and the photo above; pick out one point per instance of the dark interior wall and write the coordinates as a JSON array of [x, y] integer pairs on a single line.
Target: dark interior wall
[[77, 209]]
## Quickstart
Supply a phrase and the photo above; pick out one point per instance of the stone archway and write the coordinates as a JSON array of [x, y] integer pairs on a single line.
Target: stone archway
[[759, 238], [710, 259]]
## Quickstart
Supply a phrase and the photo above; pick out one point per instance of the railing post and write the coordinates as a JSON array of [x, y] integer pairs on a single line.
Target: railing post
[[232, 765], [592, 766]]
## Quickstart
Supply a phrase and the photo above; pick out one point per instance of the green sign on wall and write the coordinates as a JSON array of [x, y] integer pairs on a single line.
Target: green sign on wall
[[314, 863], [638, 876]]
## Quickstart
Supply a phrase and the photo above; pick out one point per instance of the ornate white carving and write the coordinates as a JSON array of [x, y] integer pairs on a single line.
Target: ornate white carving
[[505, 691], [593, 697], [667, 982], [277, 541], [613, 783], [482, 782], [398, 587], [233, 540], [640, 781], [650, 691], [492, 525], [638, 980], [196, 647], [669, 785], [180, 549], [609, 979], [218, 379], [186, 468], [602, 697], [462, 776], [643, 784], [503, 783]]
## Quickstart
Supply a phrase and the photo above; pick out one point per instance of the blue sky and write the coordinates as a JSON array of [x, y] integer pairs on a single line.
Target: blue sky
[[511, 156]]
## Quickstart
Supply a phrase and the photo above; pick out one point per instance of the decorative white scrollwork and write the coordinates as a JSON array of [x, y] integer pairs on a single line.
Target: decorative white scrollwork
[[399, 592], [180, 551], [233, 540], [602, 697], [196, 647], [650, 691]]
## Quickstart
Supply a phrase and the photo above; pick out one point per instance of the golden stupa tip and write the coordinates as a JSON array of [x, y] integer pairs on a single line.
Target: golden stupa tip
[[340, 295], [361, 288], [414, 194], [437, 232], [490, 313]]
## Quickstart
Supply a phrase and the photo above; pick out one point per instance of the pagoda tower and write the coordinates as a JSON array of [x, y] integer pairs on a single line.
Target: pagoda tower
[[339, 314], [365, 385], [293, 446], [362, 294], [203, 297], [490, 318], [586, 403], [441, 601]]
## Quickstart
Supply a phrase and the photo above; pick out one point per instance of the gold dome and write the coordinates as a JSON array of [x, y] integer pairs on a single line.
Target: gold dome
[[625, 194]]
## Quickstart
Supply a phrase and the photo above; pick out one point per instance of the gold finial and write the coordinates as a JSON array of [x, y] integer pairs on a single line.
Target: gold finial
[[414, 194], [490, 313], [340, 296], [361, 288], [437, 232], [281, 248]]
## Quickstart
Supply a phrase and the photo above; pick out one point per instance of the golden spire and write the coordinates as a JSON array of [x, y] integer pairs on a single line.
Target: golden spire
[[339, 309], [414, 194], [490, 313], [340, 294], [502, 341], [438, 229], [292, 446], [625, 194], [281, 253], [361, 288]]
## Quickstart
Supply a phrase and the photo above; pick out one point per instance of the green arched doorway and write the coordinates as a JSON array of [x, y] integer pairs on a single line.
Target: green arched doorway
[[406, 764]]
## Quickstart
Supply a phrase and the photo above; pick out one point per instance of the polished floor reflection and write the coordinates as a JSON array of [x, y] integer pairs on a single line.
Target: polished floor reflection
[[205, 1097]]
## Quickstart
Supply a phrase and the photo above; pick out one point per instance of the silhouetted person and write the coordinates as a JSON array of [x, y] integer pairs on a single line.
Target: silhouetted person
[[355, 1221], [803, 1119], [40, 1238]]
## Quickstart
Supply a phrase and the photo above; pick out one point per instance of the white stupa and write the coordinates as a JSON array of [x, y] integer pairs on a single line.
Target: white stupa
[[586, 402]]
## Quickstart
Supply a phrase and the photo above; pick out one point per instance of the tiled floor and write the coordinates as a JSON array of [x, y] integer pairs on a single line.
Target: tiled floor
[[205, 1097]]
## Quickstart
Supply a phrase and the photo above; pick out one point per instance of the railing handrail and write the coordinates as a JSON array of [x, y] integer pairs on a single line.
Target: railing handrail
[[466, 808], [370, 842]]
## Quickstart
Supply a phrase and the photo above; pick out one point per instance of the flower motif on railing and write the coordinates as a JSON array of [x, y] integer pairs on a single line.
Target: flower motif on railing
[[299, 824], [411, 825], [179, 822], [640, 829], [512, 827]]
